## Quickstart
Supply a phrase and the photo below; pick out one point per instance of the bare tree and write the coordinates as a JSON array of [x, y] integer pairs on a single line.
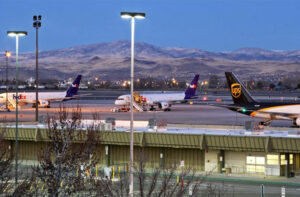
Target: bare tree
[[69, 148], [6, 158], [7, 184]]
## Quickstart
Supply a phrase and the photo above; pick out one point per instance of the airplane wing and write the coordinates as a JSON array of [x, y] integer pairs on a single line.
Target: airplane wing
[[169, 102], [75, 96], [191, 99], [80, 95], [176, 101], [52, 100], [60, 99], [228, 106]]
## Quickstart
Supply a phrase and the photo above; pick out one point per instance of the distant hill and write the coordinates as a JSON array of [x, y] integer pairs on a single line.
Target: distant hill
[[112, 61]]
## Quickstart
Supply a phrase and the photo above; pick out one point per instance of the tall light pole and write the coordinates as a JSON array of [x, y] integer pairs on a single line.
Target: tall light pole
[[132, 16], [16, 34], [7, 55], [37, 24]]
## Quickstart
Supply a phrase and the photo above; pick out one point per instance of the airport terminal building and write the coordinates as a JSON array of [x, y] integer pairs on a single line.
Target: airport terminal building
[[213, 149]]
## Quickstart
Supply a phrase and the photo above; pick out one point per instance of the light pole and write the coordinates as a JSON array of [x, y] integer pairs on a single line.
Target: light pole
[[16, 34], [7, 55], [132, 16], [37, 24]]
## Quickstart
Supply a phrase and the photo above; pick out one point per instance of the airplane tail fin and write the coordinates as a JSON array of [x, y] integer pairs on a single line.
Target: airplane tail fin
[[73, 89], [239, 93], [191, 90]]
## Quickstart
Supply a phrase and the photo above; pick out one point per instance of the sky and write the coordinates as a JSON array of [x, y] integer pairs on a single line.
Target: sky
[[212, 25]]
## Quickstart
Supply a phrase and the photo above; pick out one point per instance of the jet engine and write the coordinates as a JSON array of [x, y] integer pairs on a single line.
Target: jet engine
[[297, 121], [164, 106], [44, 103]]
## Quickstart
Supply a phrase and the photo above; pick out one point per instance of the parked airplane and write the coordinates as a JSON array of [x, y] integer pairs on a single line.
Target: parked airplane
[[163, 100], [44, 97], [245, 104]]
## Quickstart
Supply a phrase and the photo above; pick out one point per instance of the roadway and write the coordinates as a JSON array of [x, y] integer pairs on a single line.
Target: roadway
[[241, 189]]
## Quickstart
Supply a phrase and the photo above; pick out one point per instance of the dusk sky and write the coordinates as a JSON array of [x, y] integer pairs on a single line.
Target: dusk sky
[[223, 25]]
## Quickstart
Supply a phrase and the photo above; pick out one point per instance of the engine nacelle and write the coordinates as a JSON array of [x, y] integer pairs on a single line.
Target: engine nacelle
[[164, 106], [44, 103], [297, 121]]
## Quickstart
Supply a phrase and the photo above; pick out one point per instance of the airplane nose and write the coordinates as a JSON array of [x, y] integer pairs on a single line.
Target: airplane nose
[[118, 102]]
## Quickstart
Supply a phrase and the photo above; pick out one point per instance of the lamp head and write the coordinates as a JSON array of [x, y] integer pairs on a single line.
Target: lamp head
[[137, 15], [16, 33]]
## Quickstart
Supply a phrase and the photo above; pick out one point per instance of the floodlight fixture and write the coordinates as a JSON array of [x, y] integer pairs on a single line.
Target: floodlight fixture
[[16, 33], [137, 15]]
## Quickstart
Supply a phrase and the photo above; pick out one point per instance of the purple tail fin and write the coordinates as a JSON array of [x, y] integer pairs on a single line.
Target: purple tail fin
[[191, 90], [73, 89]]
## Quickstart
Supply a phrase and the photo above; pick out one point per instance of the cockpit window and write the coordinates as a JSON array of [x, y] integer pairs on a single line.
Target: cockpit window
[[121, 99]]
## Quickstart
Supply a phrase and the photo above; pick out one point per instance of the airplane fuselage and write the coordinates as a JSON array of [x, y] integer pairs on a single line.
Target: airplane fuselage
[[270, 110], [30, 97], [153, 99]]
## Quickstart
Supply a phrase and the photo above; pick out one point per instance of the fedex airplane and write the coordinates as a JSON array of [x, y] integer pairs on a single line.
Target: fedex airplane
[[44, 97], [163, 100]]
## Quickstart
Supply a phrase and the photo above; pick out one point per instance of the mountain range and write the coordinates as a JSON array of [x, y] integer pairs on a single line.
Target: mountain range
[[112, 61]]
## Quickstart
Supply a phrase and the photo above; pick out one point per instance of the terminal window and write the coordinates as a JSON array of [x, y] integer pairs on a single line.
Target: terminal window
[[250, 160], [255, 164], [273, 159], [282, 159]]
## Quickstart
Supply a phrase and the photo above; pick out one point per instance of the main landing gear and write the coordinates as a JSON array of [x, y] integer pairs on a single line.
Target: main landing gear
[[265, 123]]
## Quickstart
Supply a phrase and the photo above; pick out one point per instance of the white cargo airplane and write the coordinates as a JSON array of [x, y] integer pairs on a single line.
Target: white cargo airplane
[[44, 97], [268, 111], [163, 100]]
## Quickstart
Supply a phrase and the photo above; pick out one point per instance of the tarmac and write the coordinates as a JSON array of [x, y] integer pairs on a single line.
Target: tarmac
[[179, 114]]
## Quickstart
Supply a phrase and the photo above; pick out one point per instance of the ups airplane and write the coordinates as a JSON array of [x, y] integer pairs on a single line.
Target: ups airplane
[[269, 111]]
